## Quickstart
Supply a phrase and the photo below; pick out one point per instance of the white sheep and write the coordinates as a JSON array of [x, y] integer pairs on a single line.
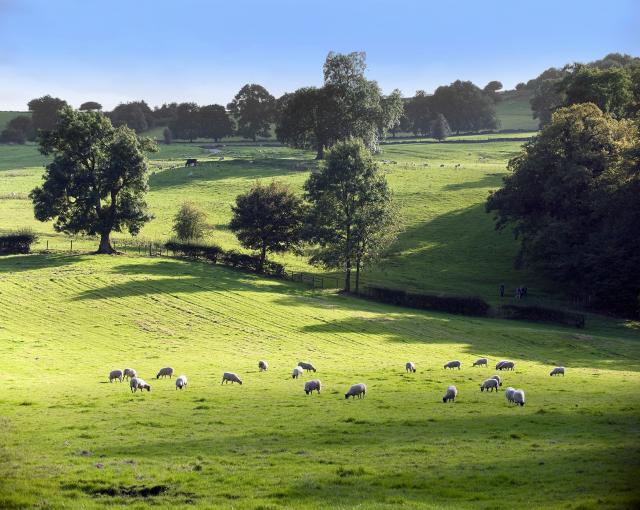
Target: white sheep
[[506, 365], [497, 378], [480, 361], [164, 372], [357, 390], [181, 382], [508, 393], [310, 386], [115, 374], [450, 395], [129, 373], [138, 384], [410, 367], [230, 376], [453, 364], [263, 366], [557, 371], [297, 372], [518, 397], [307, 366], [489, 385]]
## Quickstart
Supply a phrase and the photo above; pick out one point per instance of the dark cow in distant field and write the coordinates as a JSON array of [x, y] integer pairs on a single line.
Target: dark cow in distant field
[[191, 162]]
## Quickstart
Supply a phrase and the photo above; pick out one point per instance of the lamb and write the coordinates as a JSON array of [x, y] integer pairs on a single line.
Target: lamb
[[181, 382], [230, 376], [518, 397], [506, 365], [166, 371], [489, 385], [306, 366], [129, 373], [309, 386], [480, 362], [410, 367], [297, 372], [115, 374], [450, 395], [357, 390], [262, 365], [508, 393], [138, 384], [453, 364], [557, 371], [497, 378]]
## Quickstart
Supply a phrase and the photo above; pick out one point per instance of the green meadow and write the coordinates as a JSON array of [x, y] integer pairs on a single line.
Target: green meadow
[[73, 440]]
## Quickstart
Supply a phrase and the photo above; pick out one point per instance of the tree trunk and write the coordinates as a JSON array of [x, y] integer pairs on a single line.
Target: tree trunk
[[357, 275], [105, 244], [263, 256], [320, 153]]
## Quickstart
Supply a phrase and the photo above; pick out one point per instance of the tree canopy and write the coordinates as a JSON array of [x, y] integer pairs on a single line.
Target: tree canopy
[[572, 200], [466, 107], [268, 218], [186, 124], [91, 105], [215, 122], [253, 109], [136, 114], [45, 112], [97, 179]]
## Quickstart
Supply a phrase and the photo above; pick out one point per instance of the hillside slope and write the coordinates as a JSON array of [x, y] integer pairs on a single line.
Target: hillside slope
[[72, 439]]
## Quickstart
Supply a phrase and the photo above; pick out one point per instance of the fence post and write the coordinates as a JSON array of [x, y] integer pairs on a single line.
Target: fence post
[[47, 244], [71, 249]]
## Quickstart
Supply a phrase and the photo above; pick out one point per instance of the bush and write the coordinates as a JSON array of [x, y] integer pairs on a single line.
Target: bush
[[212, 253], [190, 222], [460, 305], [241, 260], [540, 314], [11, 135], [17, 242]]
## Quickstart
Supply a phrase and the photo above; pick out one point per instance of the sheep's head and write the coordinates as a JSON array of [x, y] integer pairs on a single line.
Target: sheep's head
[[346, 395], [444, 399]]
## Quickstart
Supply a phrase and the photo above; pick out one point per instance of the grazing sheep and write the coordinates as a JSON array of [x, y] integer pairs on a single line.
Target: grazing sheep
[[497, 378], [129, 373], [506, 365], [181, 382], [410, 367], [230, 376], [480, 362], [297, 372], [115, 374], [306, 366], [499, 364], [453, 364], [164, 372], [309, 386], [262, 365], [138, 384], [450, 395], [508, 393], [557, 371], [357, 390], [518, 397], [489, 385]]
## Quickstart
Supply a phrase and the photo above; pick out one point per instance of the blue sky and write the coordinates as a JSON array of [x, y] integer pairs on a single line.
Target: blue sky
[[204, 51]]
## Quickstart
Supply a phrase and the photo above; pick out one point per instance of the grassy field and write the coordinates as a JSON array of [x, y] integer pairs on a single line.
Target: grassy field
[[72, 440], [447, 244], [514, 112]]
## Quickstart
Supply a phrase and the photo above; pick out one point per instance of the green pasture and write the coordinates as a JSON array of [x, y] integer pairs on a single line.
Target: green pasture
[[70, 439]]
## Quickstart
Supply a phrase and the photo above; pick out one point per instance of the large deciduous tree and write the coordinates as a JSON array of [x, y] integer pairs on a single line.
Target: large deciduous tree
[[190, 222], [45, 112], [419, 113], [465, 106], [215, 122], [136, 114], [440, 128], [572, 200], [186, 124], [96, 183], [268, 218], [392, 110], [18, 130], [350, 211], [90, 105], [254, 111]]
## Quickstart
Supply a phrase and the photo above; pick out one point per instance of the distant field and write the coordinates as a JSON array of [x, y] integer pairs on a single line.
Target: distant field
[[72, 440], [514, 112], [448, 244], [5, 117]]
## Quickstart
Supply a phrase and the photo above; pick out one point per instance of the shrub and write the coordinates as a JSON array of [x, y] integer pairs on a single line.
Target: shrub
[[17, 242], [241, 260], [190, 222], [212, 252], [461, 305], [540, 314]]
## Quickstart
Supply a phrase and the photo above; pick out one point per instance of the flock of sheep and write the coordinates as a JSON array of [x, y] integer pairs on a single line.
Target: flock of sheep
[[359, 390]]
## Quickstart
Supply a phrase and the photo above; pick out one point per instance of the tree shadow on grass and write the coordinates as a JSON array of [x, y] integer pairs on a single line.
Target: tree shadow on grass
[[34, 262], [230, 169], [487, 181]]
